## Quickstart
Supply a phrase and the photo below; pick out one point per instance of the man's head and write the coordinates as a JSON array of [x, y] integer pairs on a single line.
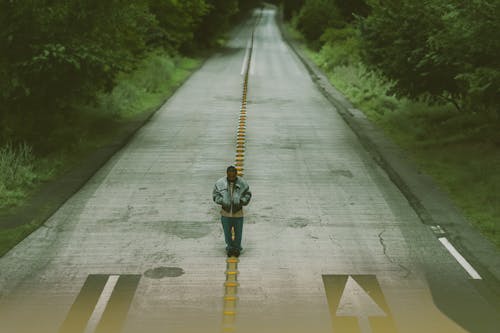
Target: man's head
[[231, 173]]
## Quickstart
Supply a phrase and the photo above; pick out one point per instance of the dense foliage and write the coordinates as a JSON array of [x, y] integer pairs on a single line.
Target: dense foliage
[[291, 8], [444, 49], [317, 15], [438, 50], [350, 9], [57, 54], [177, 22]]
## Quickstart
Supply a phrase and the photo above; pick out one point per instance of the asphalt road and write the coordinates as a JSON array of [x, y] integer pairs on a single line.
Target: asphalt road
[[330, 243]]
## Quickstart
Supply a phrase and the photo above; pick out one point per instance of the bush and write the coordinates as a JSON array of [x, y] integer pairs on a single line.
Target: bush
[[340, 47], [153, 73], [158, 71], [16, 166]]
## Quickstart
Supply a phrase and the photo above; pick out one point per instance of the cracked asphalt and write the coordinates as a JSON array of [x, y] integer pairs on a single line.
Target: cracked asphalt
[[327, 238]]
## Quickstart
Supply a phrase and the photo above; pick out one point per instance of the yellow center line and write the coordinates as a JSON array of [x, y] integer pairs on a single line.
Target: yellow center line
[[231, 284]]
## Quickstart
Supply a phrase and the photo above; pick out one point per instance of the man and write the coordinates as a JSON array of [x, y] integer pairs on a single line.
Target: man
[[232, 193]]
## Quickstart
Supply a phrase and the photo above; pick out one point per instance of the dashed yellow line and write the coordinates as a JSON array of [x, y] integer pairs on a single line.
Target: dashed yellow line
[[230, 296], [231, 284], [239, 160]]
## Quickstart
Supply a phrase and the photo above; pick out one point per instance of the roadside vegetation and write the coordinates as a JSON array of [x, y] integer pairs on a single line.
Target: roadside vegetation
[[428, 73], [74, 74]]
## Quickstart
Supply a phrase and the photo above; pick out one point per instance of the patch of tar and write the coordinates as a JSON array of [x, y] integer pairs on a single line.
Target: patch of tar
[[230, 98], [298, 222], [186, 229], [272, 100], [343, 173], [161, 256], [162, 272], [289, 147]]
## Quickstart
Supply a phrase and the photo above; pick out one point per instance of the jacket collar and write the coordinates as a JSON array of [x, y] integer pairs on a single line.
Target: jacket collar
[[236, 182]]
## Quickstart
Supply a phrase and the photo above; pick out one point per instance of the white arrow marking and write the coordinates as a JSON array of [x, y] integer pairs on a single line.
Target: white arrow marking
[[355, 302]]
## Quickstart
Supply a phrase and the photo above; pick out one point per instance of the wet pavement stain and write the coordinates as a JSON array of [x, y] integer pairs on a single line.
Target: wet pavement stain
[[344, 173], [298, 222], [162, 272], [272, 100], [186, 229]]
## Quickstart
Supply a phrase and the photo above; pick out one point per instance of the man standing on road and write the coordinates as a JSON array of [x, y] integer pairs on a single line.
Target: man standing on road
[[232, 193]]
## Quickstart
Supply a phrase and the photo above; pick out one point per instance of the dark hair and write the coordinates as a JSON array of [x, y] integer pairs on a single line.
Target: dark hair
[[231, 168]]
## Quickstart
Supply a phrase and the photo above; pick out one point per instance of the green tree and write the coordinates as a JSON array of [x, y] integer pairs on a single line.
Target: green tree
[[315, 17], [216, 21], [177, 22], [349, 9], [57, 53], [245, 5], [395, 42], [470, 41], [291, 8], [444, 50]]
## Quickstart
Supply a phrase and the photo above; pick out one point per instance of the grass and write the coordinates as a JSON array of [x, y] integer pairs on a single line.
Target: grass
[[461, 151], [10, 237], [148, 86], [92, 126], [16, 172]]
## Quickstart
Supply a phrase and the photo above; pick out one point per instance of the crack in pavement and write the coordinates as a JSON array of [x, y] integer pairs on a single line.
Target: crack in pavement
[[384, 250], [335, 241]]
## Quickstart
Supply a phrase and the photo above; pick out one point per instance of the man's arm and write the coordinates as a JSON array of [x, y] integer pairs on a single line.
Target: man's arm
[[216, 195], [246, 196]]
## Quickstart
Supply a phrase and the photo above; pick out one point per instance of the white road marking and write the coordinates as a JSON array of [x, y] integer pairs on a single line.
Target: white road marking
[[245, 60], [252, 61], [438, 230], [355, 302], [461, 260], [101, 304]]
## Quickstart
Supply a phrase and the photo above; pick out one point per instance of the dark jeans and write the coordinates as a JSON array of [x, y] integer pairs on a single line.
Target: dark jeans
[[227, 224]]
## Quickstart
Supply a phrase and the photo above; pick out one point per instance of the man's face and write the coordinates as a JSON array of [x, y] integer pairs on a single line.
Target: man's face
[[231, 176]]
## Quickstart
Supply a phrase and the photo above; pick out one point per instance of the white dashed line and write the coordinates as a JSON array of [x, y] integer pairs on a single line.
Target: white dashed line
[[245, 60], [461, 260], [252, 62], [101, 304]]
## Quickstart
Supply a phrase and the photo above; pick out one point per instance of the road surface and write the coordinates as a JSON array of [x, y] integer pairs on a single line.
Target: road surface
[[330, 244]]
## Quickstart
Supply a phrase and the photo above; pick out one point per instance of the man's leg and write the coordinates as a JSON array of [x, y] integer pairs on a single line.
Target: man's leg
[[238, 232], [226, 226]]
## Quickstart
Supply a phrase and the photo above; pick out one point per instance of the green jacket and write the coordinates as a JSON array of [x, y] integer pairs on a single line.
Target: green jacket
[[241, 194]]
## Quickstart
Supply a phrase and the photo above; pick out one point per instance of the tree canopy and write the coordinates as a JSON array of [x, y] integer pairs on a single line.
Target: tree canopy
[[58, 53], [440, 50]]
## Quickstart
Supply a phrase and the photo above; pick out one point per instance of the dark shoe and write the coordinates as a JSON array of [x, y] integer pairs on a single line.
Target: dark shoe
[[230, 253], [236, 253]]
